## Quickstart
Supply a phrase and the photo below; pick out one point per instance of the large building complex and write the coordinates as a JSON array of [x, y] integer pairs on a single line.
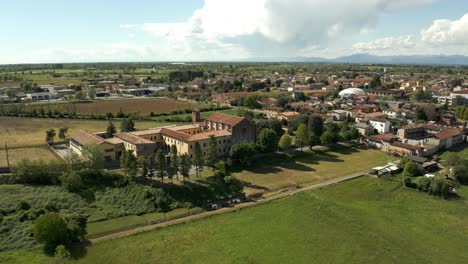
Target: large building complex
[[227, 130]]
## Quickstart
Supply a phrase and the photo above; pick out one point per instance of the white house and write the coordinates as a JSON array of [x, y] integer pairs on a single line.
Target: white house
[[380, 124]]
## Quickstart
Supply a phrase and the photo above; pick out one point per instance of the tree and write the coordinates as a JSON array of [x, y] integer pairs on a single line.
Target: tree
[[327, 138], [128, 163], [452, 158], [315, 125], [142, 165], [460, 172], [459, 100], [267, 140], [79, 96], [93, 158], [185, 165], [71, 181], [160, 164], [51, 230], [9, 93], [50, 135], [221, 169], [127, 125], [302, 136], [110, 131], [242, 153], [375, 82], [91, 93], [63, 131], [197, 157], [174, 158], [211, 154], [420, 113], [411, 169], [285, 142]]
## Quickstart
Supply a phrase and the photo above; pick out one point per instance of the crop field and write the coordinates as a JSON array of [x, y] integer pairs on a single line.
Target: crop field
[[286, 170], [32, 153], [143, 106], [365, 220], [30, 132]]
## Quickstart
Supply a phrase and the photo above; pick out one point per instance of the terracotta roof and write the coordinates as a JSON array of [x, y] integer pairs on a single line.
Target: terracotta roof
[[405, 146], [146, 132], [184, 127], [188, 138], [290, 114], [447, 133], [132, 138], [113, 141], [206, 135], [174, 134], [382, 137], [224, 119], [85, 138]]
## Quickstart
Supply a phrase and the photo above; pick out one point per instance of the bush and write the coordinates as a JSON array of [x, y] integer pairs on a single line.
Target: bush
[[62, 252], [51, 230]]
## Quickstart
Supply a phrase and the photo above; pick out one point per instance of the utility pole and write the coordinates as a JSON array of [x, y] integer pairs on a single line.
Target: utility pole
[[6, 152]]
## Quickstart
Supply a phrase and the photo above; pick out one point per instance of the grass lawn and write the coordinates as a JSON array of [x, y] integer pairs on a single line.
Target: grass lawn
[[365, 220], [27, 132], [33, 153], [461, 150], [281, 171]]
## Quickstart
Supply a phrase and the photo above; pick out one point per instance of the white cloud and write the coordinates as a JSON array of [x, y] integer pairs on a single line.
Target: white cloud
[[447, 32], [383, 45], [272, 28]]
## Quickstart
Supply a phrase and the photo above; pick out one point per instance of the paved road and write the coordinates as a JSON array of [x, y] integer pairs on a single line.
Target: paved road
[[225, 209]]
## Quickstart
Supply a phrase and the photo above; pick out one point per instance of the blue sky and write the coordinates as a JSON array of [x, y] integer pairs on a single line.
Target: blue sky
[[151, 30]]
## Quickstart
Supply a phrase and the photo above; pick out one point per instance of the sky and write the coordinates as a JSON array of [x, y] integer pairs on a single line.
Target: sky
[[50, 31]]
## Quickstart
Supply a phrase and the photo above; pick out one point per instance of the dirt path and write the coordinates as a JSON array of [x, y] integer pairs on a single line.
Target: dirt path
[[225, 209]]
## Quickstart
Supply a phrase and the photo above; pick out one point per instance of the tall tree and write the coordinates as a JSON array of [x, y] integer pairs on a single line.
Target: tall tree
[[267, 140], [315, 125], [211, 154], [63, 133], [91, 93], [375, 82], [185, 165], [174, 161], [142, 165], [110, 130], [50, 135], [127, 125], [302, 136], [197, 157], [160, 164]]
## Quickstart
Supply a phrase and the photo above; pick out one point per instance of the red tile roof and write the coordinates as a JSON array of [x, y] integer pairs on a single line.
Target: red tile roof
[[224, 119], [85, 138]]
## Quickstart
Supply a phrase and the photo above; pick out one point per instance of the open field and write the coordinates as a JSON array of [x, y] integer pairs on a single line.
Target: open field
[[283, 170], [33, 153], [365, 220], [143, 106], [461, 150], [26, 132]]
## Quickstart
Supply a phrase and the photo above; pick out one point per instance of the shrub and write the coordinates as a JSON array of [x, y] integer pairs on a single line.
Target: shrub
[[51, 230], [62, 252]]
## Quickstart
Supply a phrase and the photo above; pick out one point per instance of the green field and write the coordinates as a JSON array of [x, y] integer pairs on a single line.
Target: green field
[[365, 220], [298, 169], [461, 150]]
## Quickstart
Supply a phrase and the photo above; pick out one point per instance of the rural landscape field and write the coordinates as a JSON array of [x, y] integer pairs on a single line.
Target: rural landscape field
[[354, 215], [224, 131]]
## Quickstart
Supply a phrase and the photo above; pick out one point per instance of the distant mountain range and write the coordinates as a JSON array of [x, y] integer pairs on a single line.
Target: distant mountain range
[[374, 59]]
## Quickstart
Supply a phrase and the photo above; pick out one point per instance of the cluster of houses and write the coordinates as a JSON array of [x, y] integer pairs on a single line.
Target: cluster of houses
[[227, 130]]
